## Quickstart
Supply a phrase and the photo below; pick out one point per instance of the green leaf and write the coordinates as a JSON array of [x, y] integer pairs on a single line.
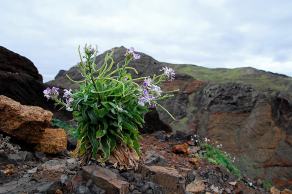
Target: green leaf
[[100, 133], [93, 117], [105, 147]]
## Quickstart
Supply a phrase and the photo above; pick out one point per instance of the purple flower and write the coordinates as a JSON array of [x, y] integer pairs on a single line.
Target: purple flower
[[51, 93], [145, 92], [67, 93], [54, 92], [131, 51], [136, 56], [47, 93], [145, 98], [147, 82], [69, 103], [168, 72], [156, 89]]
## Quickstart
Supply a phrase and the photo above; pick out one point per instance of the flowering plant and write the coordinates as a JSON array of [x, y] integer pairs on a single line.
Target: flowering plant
[[109, 106]]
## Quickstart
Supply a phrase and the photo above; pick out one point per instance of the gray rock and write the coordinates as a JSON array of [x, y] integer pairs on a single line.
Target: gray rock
[[20, 156], [54, 165], [41, 156], [72, 163], [153, 158]]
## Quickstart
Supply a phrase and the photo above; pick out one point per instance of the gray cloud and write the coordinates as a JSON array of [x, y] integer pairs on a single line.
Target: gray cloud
[[213, 33]]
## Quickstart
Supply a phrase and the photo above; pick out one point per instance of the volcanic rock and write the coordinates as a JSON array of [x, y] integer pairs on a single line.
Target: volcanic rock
[[20, 79], [31, 124], [106, 179], [170, 179], [253, 126]]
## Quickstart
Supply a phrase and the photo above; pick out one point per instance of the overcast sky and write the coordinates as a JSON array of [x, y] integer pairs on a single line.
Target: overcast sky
[[211, 33]]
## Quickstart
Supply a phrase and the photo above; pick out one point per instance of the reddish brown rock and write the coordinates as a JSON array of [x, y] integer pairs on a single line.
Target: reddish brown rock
[[181, 149], [53, 140], [31, 124], [196, 162], [106, 179]]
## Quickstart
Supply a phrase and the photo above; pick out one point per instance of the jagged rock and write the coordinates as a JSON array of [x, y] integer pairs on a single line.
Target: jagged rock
[[20, 79], [31, 124], [252, 126], [105, 179], [168, 178]]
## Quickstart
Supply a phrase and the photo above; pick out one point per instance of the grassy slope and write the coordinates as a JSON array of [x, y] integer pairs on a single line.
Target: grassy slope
[[259, 79]]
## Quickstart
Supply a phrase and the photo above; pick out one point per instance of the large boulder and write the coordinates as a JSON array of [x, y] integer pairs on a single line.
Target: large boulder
[[31, 125], [20, 79]]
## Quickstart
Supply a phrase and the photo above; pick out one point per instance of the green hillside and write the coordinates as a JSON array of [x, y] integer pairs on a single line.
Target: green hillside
[[261, 80]]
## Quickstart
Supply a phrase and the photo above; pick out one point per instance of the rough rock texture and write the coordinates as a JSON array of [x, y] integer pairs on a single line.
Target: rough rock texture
[[106, 179], [169, 178], [31, 124], [20, 79], [255, 126]]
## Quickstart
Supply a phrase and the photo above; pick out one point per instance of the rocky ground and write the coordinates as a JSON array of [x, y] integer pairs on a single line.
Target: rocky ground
[[164, 168]]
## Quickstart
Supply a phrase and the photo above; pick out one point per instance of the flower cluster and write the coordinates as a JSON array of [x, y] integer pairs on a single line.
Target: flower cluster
[[131, 51], [68, 99], [53, 93], [150, 90], [168, 72], [150, 93]]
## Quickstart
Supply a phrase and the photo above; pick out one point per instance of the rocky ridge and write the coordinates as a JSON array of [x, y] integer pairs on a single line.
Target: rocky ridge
[[254, 125]]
